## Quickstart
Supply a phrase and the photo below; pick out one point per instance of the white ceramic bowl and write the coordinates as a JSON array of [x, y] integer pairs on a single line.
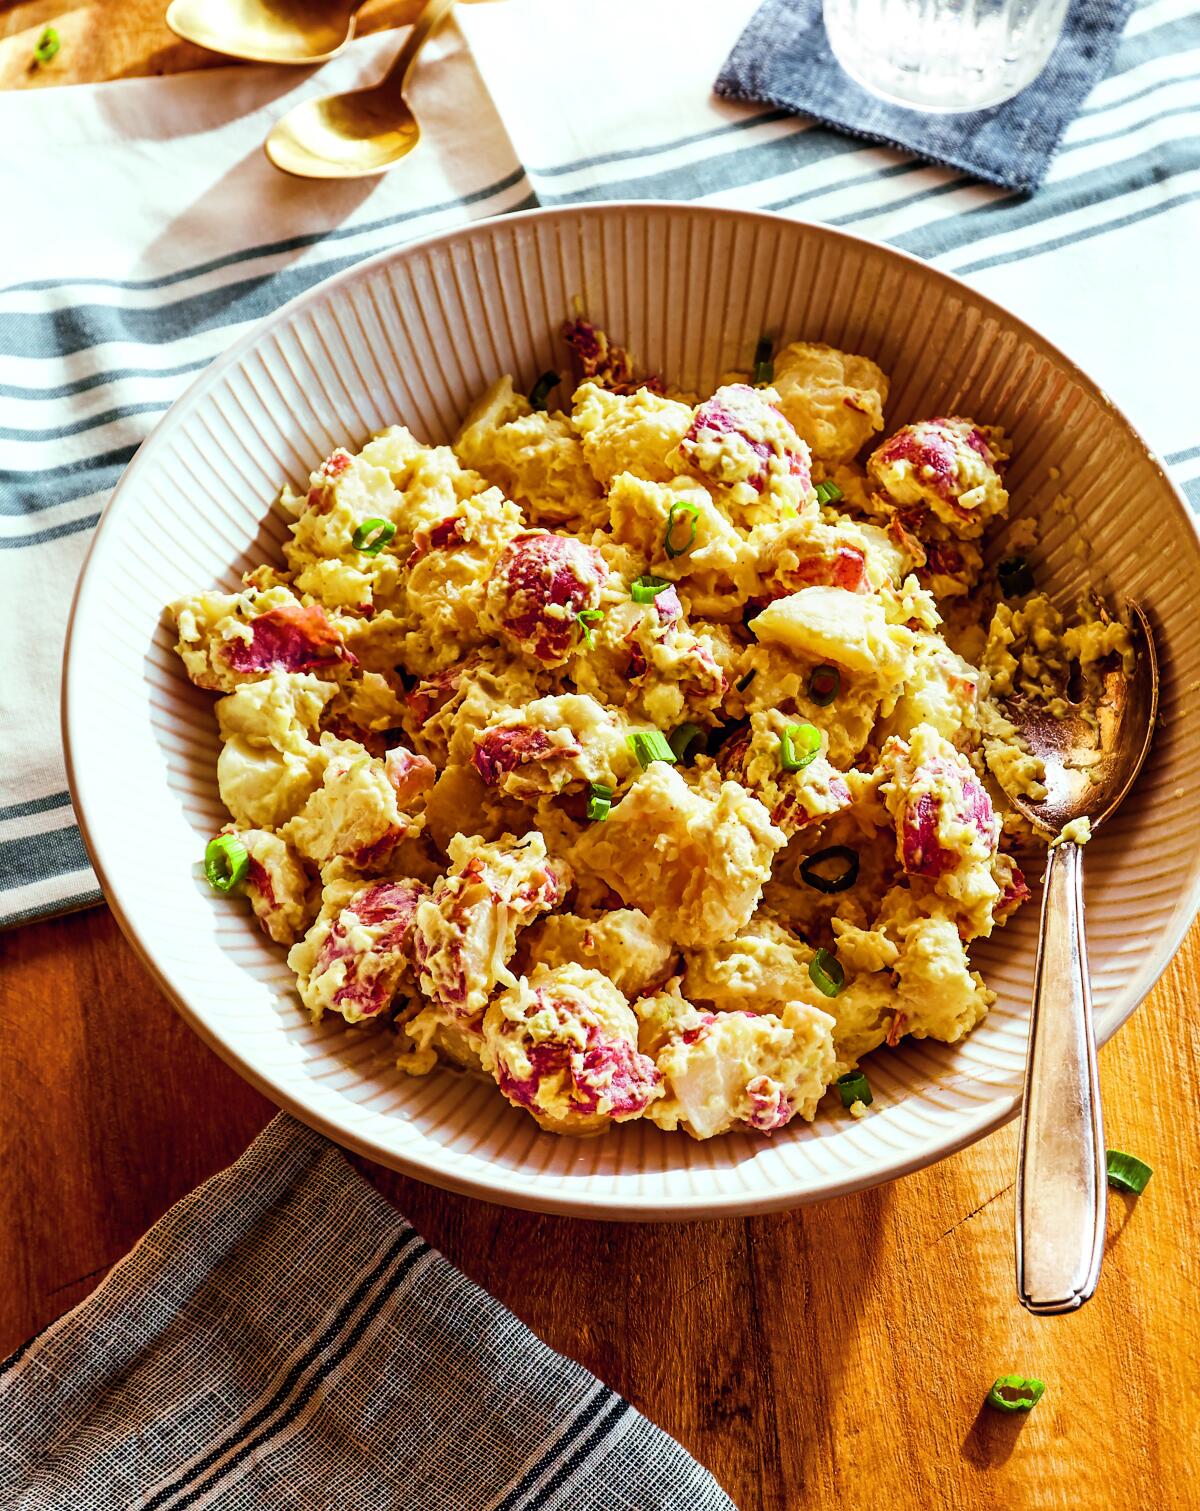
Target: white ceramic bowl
[[412, 336]]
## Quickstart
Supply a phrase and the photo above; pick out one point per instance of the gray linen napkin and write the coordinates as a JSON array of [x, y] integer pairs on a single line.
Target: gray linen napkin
[[282, 1338], [783, 59]]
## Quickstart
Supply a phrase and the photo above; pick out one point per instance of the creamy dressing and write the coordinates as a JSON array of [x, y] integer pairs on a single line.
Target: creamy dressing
[[435, 711]]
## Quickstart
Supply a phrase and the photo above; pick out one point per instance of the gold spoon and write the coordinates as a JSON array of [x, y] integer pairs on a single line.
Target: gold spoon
[[359, 133], [1061, 1174], [266, 31]]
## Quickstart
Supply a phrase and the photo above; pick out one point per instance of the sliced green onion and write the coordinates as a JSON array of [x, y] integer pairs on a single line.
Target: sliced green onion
[[540, 391], [684, 738], [585, 619], [47, 45], [1015, 1393], [1015, 576], [680, 508], [854, 1087], [226, 861], [826, 973], [803, 737], [650, 745], [764, 362], [599, 802], [1127, 1173], [646, 589], [372, 535], [829, 493], [745, 681], [845, 878], [824, 684]]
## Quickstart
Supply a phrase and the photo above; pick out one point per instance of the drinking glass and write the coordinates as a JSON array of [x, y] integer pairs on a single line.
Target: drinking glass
[[944, 55]]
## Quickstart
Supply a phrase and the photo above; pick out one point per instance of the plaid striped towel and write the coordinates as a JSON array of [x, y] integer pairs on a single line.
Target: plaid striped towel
[[106, 317], [282, 1340]]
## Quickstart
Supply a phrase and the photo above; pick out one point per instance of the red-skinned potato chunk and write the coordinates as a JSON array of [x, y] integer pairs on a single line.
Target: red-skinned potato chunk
[[563, 1045], [358, 955], [539, 586]]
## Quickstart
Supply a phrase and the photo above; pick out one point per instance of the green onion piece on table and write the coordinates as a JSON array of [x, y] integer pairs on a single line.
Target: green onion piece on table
[[1015, 576], [599, 802], [1015, 1393], [764, 362], [828, 493], [372, 535], [226, 861], [812, 875], [47, 45], [854, 1087], [650, 745], [1127, 1173], [799, 745], [646, 589], [826, 973], [670, 543], [744, 682], [585, 619], [684, 738], [540, 391], [824, 684]]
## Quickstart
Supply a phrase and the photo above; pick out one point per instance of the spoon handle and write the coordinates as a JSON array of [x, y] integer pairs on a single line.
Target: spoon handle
[[395, 78], [1062, 1192]]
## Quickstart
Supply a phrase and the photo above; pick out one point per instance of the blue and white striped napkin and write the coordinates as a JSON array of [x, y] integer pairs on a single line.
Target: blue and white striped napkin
[[153, 231], [283, 1339]]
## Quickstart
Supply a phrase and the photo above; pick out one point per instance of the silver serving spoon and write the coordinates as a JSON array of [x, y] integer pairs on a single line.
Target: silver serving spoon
[[1062, 1183]]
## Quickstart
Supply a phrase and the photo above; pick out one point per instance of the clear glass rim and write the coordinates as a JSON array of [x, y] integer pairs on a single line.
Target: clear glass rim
[[884, 82]]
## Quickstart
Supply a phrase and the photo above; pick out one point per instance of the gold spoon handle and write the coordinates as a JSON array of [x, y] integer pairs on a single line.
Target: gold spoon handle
[[395, 78], [1062, 1191]]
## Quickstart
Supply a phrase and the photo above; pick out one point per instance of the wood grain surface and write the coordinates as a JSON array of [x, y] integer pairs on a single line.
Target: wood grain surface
[[836, 1356], [122, 39]]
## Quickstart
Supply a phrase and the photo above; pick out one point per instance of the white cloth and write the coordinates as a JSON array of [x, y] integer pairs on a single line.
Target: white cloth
[[152, 230]]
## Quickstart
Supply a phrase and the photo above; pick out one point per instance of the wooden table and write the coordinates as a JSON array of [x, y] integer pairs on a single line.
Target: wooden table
[[831, 1357]]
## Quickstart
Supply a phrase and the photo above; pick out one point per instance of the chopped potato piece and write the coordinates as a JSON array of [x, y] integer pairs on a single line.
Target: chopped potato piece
[[695, 866]]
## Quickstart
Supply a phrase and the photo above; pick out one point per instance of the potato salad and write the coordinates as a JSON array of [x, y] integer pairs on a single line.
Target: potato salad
[[636, 752]]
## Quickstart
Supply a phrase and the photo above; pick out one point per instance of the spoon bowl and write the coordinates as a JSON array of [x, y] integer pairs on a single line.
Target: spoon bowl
[[296, 32], [361, 132], [350, 135], [1092, 762]]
